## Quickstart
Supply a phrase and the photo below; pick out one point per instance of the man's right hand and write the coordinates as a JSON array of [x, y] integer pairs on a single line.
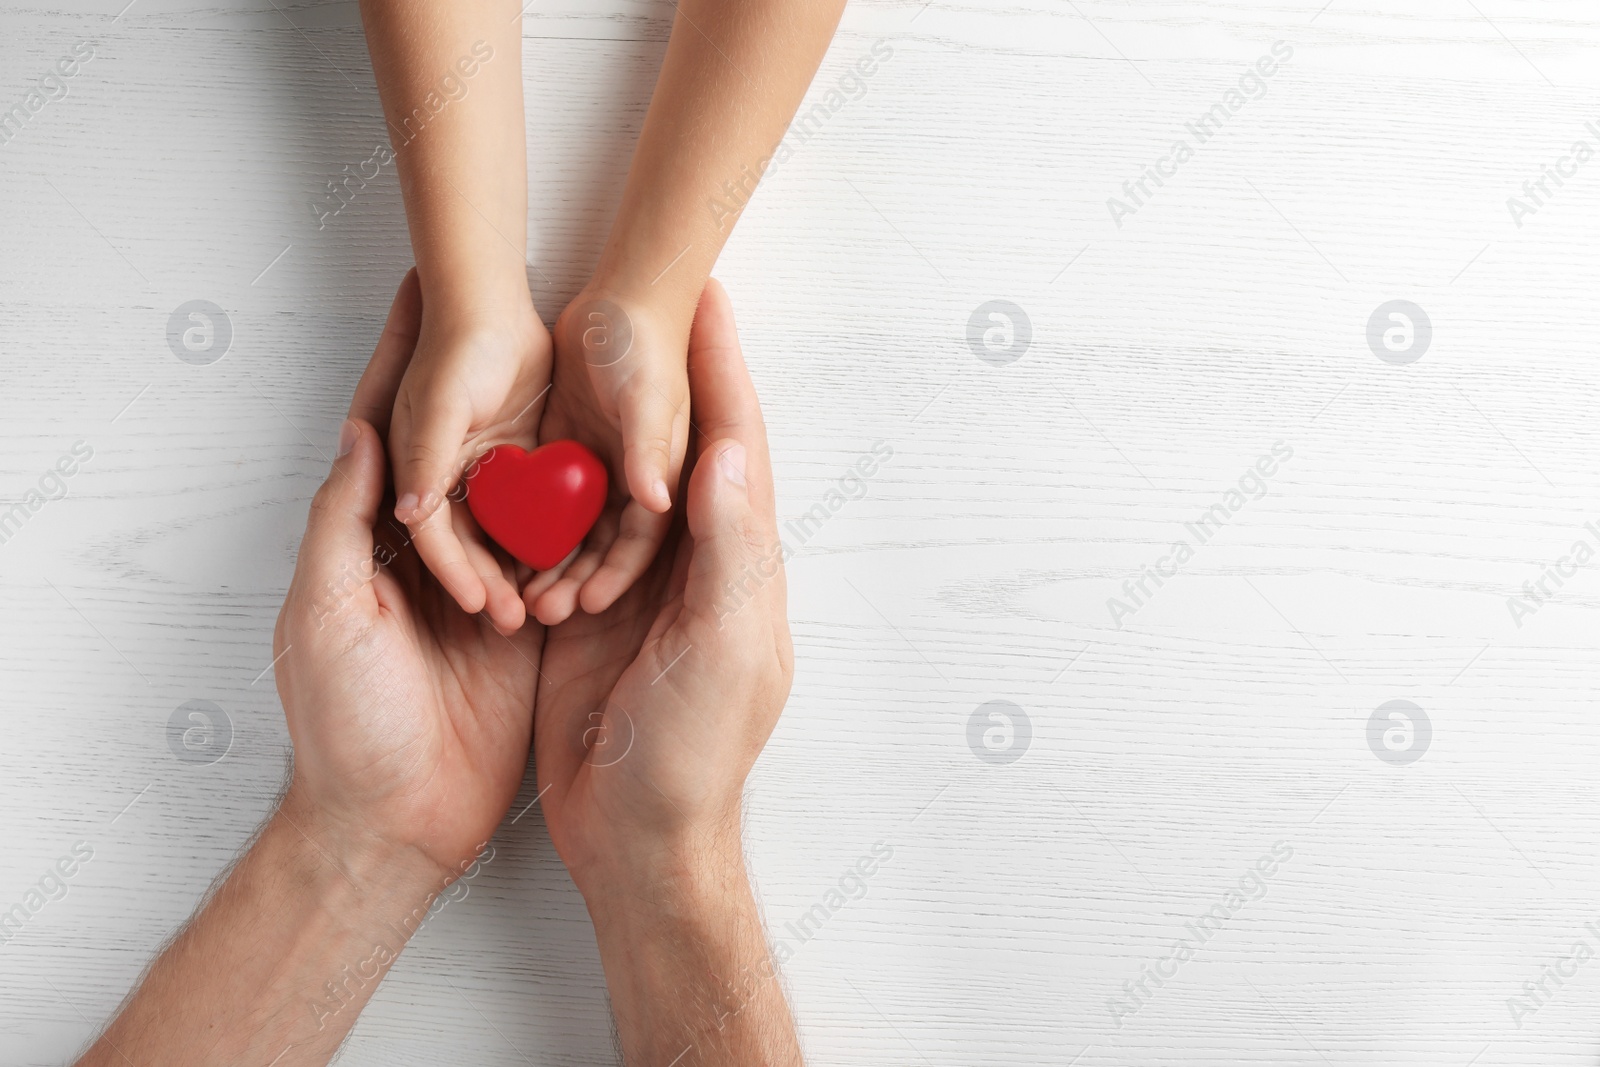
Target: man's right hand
[[649, 718], [652, 713]]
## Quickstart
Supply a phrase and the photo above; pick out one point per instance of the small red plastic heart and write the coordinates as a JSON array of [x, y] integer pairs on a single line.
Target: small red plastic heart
[[537, 505]]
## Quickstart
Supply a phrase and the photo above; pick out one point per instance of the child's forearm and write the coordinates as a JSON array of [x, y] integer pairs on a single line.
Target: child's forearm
[[734, 73], [450, 75]]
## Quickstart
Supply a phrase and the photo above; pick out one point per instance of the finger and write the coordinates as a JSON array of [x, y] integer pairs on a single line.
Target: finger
[[336, 555], [638, 540], [534, 584], [557, 603], [723, 396], [429, 519], [738, 558], [430, 428], [650, 462], [501, 601], [436, 542], [375, 393]]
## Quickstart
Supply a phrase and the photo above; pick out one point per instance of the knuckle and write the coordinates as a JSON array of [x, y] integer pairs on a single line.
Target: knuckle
[[636, 538], [754, 538], [650, 446], [423, 454], [324, 500]]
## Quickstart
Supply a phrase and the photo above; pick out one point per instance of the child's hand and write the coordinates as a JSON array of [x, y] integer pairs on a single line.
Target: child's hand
[[476, 380], [621, 387]]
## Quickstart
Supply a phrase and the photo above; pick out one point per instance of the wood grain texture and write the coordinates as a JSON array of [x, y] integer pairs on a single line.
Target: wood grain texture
[[1228, 313]]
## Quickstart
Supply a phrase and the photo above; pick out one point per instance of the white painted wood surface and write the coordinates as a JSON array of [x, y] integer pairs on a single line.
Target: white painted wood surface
[[1228, 313]]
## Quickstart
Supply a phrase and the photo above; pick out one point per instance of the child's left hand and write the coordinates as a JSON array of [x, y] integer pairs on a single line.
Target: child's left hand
[[620, 387]]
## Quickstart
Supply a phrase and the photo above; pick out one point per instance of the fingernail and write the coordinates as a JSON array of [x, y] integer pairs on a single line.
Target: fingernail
[[347, 438], [731, 462], [660, 491], [405, 506]]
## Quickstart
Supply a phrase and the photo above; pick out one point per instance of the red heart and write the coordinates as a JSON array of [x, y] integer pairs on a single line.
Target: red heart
[[537, 505]]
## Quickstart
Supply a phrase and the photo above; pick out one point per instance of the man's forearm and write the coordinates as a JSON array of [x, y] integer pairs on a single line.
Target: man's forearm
[[691, 980], [280, 960], [734, 73], [450, 75]]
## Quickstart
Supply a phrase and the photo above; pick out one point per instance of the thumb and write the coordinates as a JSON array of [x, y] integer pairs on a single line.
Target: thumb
[[737, 556], [336, 555], [654, 435], [426, 442]]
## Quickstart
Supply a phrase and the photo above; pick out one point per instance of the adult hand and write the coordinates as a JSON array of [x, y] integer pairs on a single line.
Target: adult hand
[[653, 712], [620, 387], [410, 720], [410, 723]]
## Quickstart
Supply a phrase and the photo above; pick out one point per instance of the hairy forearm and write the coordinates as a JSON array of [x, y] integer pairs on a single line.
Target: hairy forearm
[[450, 75], [279, 961], [688, 969], [734, 73]]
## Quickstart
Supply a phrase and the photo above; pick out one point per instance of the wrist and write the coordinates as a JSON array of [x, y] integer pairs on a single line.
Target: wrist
[[334, 849], [670, 298], [648, 877], [649, 913], [663, 245], [614, 325], [284, 953], [461, 295], [688, 967]]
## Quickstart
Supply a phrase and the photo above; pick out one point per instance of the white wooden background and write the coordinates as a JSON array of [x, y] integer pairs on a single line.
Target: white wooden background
[[1166, 756]]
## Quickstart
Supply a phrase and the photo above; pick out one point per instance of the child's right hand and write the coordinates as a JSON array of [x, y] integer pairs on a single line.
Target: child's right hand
[[478, 379]]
